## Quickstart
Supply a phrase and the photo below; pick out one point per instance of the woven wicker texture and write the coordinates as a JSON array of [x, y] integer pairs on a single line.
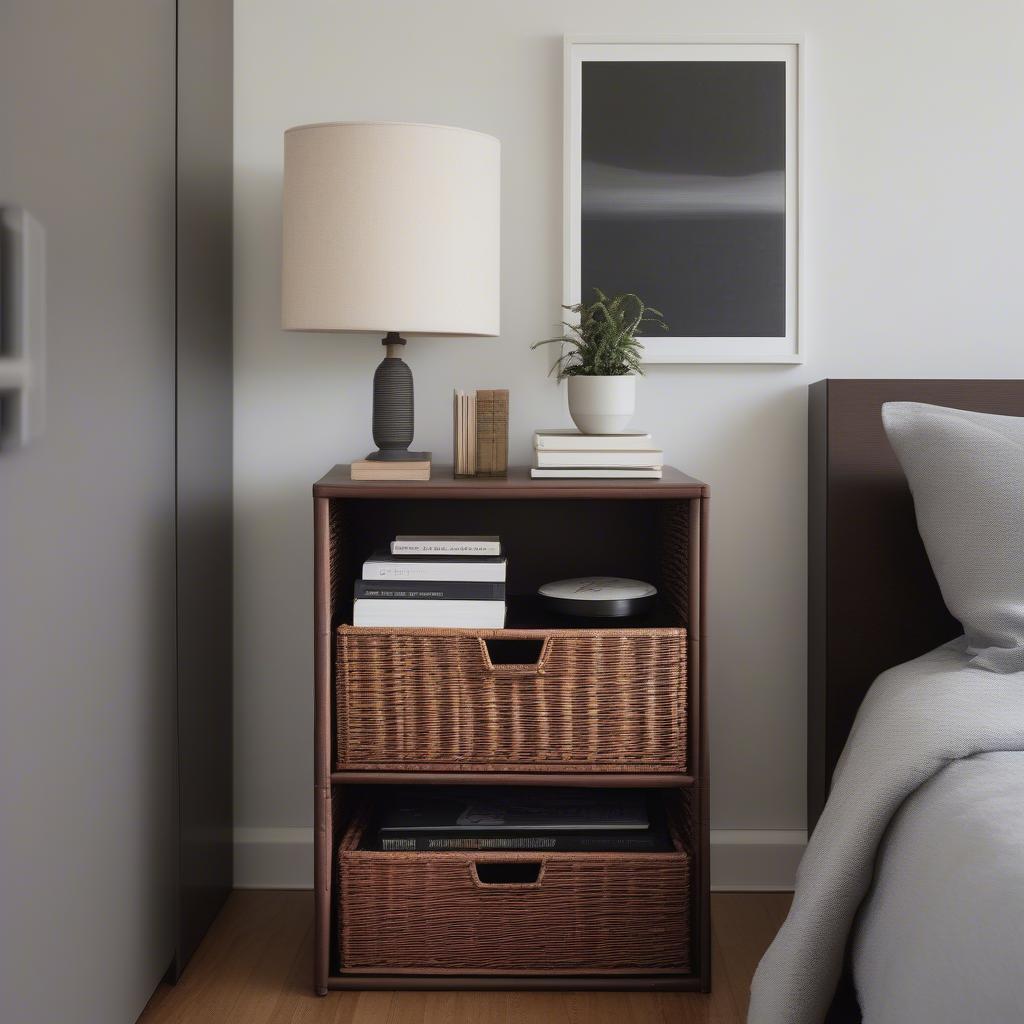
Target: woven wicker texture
[[340, 568], [674, 556], [429, 912], [430, 699]]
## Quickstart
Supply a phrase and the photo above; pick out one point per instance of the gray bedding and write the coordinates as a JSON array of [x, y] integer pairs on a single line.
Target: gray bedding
[[941, 934], [926, 811]]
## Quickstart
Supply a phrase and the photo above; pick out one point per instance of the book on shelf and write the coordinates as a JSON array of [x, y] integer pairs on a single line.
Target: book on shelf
[[382, 565], [464, 433], [480, 432], [639, 459], [410, 544], [434, 590], [410, 469], [570, 440], [517, 818], [594, 473], [492, 432], [444, 614], [484, 433], [653, 840], [492, 810]]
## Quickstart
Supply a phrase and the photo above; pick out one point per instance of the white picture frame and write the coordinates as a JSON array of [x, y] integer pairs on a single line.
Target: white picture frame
[[785, 347]]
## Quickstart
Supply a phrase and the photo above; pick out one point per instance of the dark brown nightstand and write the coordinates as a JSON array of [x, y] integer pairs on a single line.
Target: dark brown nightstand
[[653, 530]]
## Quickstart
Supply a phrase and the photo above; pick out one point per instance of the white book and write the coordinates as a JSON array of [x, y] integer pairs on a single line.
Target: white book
[[444, 545], [594, 473], [436, 614], [383, 566], [607, 460], [571, 440]]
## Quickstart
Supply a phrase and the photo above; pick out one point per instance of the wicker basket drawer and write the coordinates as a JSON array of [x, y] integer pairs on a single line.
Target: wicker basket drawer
[[519, 913], [431, 699]]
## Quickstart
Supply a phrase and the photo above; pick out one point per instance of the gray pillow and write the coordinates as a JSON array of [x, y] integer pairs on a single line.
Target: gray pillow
[[966, 472]]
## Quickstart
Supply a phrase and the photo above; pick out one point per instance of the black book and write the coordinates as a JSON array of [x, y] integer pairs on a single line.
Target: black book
[[516, 818], [423, 590], [492, 811], [650, 840]]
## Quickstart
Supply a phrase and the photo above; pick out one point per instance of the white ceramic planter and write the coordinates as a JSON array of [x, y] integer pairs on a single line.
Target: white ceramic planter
[[602, 405]]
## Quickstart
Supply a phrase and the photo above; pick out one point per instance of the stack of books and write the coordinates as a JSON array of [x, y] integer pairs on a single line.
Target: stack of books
[[568, 454], [444, 582], [480, 432], [514, 818]]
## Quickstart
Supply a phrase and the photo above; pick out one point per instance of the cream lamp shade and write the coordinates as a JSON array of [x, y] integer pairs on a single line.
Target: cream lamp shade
[[391, 227]]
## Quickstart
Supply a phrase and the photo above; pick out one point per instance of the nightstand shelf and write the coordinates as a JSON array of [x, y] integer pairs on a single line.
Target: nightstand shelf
[[654, 530]]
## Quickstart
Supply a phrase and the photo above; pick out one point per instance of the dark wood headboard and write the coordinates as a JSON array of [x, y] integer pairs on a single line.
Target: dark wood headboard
[[872, 599]]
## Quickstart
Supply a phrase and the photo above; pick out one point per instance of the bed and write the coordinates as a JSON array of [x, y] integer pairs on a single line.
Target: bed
[[912, 889]]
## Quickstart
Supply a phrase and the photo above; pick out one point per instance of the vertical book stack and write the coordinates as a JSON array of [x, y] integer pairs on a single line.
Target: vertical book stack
[[439, 581], [568, 454], [480, 432]]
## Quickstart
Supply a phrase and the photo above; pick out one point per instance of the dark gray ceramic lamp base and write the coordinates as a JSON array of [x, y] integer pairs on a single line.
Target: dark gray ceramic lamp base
[[393, 407]]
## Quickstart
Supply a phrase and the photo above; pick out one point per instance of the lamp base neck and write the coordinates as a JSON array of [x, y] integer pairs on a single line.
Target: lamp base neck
[[394, 343]]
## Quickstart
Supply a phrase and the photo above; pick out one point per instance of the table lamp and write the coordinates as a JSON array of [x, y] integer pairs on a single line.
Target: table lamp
[[391, 228]]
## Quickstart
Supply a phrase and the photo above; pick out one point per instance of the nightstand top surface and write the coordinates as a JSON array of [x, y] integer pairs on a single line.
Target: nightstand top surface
[[518, 484]]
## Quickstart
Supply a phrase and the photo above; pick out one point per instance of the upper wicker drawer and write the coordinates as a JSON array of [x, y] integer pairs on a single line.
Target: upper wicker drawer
[[433, 700]]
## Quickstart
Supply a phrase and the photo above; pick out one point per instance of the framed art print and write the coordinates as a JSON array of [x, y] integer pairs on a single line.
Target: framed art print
[[682, 185]]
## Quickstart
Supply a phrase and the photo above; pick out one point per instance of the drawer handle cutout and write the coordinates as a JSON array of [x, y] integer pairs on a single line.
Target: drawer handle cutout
[[517, 873], [522, 654]]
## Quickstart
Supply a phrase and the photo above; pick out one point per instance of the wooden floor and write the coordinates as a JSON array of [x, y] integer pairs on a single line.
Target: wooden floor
[[255, 967]]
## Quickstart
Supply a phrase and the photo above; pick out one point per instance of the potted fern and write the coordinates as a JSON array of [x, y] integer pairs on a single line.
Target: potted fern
[[601, 359]]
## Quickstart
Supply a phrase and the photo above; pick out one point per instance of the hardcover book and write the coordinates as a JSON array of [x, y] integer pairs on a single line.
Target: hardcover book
[[652, 840], [420, 590], [571, 440], [639, 459], [488, 812], [436, 614], [368, 469], [445, 545], [439, 568], [492, 432], [484, 433], [464, 433], [585, 473]]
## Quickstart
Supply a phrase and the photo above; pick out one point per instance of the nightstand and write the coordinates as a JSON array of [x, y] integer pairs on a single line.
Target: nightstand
[[620, 705]]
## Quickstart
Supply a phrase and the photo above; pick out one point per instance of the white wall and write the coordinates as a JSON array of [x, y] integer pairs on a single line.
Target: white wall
[[913, 215]]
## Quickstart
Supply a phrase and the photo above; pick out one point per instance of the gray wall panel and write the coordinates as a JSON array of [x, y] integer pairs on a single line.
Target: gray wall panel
[[115, 698], [87, 654]]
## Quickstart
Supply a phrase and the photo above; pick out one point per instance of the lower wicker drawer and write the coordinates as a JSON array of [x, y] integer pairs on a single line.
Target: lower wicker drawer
[[499, 913]]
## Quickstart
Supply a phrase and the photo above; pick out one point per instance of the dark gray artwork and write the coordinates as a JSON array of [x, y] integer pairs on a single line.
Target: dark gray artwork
[[683, 188]]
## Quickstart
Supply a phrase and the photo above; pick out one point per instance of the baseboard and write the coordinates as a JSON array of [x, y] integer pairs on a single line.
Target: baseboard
[[755, 860], [273, 858], [742, 860]]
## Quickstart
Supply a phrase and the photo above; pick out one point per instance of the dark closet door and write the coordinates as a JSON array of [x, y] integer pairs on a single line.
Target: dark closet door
[[115, 522], [87, 525], [204, 471]]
